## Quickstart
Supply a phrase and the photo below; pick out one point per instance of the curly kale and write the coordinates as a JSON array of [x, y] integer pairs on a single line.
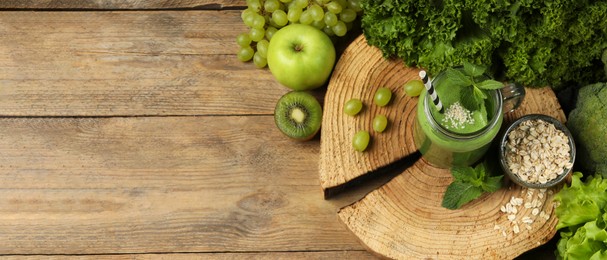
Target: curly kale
[[533, 42]]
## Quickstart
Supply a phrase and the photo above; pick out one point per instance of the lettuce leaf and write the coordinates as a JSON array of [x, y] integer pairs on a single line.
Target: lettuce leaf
[[581, 202], [582, 214]]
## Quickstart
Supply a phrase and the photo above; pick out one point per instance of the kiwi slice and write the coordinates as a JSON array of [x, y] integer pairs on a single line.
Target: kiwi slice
[[298, 115]]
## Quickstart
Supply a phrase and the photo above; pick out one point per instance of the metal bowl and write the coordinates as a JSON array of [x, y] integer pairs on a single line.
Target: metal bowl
[[517, 179]]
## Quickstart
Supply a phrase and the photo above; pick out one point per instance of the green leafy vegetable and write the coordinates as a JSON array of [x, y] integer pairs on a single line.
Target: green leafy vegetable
[[472, 96], [469, 99], [531, 42], [468, 184], [490, 84], [587, 123], [457, 78], [582, 214], [474, 70]]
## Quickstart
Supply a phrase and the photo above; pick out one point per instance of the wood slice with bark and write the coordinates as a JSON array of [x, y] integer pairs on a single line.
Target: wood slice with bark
[[360, 71], [404, 219]]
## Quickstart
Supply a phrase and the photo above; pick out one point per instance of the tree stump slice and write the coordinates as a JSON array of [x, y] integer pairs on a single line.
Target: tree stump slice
[[360, 71], [403, 219]]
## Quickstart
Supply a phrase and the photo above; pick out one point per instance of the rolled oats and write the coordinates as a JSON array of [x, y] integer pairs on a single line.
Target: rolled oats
[[537, 152]]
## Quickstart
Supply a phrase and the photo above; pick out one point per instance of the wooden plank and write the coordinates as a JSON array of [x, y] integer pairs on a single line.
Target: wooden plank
[[161, 184], [128, 63], [359, 255], [120, 4]]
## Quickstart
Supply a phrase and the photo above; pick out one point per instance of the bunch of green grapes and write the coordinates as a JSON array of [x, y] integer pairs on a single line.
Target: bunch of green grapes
[[265, 17]]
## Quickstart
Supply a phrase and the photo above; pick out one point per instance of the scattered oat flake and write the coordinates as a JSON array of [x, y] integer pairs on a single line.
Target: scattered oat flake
[[516, 229], [528, 227]]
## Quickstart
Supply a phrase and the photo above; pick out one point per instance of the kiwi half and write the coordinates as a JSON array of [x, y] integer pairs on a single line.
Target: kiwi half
[[298, 115]]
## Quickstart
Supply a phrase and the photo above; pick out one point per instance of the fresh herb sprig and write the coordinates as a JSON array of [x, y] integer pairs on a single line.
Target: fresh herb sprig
[[470, 183], [472, 95]]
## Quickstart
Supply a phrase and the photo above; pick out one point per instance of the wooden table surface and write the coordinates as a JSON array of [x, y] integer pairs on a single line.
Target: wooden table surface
[[129, 129]]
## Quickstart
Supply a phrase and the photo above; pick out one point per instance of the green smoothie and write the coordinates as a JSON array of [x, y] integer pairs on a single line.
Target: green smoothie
[[456, 137]]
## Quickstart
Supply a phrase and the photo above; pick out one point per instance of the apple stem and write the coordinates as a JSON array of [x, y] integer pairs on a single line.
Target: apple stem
[[298, 47]]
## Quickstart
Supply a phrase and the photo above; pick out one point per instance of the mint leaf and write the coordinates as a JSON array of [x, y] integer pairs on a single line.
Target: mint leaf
[[490, 84], [468, 99], [492, 184], [480, 172], [463, 174], [459, 193], [473, 70], [480, 95], [456, 78]]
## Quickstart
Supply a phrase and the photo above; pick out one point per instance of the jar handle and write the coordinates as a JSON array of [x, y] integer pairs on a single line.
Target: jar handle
[[512, 95]]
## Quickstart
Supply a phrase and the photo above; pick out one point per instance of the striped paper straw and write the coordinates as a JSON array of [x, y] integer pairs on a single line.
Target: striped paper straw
[[431, 92]]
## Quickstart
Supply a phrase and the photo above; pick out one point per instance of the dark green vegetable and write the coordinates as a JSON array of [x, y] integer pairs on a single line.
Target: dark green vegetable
[[587, 123], [533, 42]]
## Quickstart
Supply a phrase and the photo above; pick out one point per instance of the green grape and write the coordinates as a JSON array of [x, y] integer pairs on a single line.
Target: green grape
[[330, 19], [343, 3], [259, 61], [340, 28], [258, 21], [245, 13], [317, 13], [355, 5], [414, 87], [245, 53], [294, 14], [322, 2], [280, 18], [262, 48], [353, 106], [270, 31], [249, 20], [306, 17], [257, 34], [334, 7], [319, 24], [382, 96], [285, 1], [271, 5], [243, 39], [347, 15], [379, 123], [301, 3], [273, 23], [361, 140], [254, 5], [328, 30]]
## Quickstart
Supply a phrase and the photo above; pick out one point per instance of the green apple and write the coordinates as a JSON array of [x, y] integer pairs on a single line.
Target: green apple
[[301, 57]]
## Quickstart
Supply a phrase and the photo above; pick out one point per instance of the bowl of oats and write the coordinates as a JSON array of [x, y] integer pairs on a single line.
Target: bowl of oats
[[537, 151]]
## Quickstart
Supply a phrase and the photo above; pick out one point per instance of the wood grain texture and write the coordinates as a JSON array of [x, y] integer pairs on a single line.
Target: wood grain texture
[[360, 71], [312, 255], [161, 184], [128, 64], [404, 219], [119, 4]]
